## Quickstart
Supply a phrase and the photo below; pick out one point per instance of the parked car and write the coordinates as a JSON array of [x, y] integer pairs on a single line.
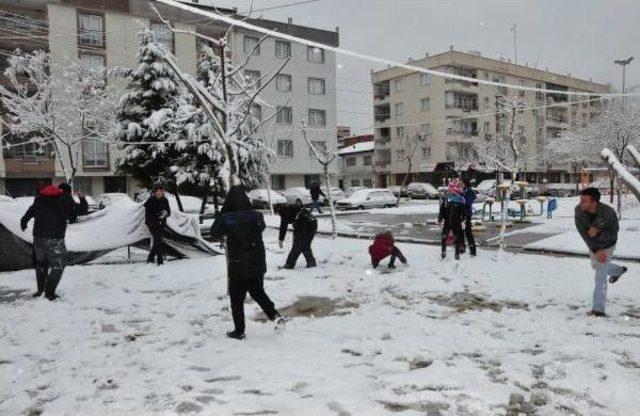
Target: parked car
[[399, 190], [368, 198], [105, 200], [260, 198], [336, 193], [350, 191], [488, 188], [422, 190], [294, 195]]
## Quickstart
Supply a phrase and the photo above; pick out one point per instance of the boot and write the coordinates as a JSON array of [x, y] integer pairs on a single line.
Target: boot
[[235, 335], [444, 247], [457, 255], [52, 284], [41, 280], [472, 250]]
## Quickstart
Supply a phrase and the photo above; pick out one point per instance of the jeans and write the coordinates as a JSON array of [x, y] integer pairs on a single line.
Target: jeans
[[316, 205], [468, 232], [50, 258], [301, 245], [602, 271], [238, 289]]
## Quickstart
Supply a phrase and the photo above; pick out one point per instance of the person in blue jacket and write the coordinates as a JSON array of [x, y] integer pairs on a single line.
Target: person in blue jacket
[[469, 198], [552, 205]]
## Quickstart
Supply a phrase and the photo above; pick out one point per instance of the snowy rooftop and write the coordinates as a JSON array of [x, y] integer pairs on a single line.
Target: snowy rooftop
[[357, 148]]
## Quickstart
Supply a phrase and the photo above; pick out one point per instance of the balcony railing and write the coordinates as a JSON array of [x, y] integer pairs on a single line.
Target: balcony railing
[[23, 24]]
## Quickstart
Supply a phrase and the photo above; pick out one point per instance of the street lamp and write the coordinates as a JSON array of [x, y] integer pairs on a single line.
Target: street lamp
[[623, 63]]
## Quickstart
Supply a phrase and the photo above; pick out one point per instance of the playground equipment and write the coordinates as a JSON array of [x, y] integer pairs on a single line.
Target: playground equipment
[[519, 215]]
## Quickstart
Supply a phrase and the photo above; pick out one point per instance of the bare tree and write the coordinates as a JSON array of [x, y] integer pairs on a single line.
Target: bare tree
[[325, 157], [625, 176], [408, 145]]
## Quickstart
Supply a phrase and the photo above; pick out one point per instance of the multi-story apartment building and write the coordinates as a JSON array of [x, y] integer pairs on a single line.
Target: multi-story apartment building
[[447, 116], [356, 162], [104, 35]]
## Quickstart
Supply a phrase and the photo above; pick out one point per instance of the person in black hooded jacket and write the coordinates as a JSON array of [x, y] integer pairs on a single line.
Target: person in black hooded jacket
[[246, 257], [157, 211], [74, 209], [304, 230]]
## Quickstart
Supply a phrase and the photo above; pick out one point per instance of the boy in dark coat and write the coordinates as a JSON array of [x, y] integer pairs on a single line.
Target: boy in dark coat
[[304, 230], [246, 257], [315, 192], [157, 211], [452, 213], [383, 246], [469, 198], [49, 228]]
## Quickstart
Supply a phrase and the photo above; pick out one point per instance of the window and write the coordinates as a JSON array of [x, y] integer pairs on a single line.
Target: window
[[315, 55], [92, 65], [256, 111], [351, 161], [355, 182], [425, 129], [95, 154], [283, 82], [285, 148], [400, 131], [252, 77], [278, 182], [522, 83], [283, 49], [316, 86], [399, 110], [425, 104], [398, 85], [91, 30], [317, 118], [400, 154], [366, 183], [285, 115], [426, 152], [320, 147], [366, 160], [163, 35], [425, 79], [250, 43], [487, 102]]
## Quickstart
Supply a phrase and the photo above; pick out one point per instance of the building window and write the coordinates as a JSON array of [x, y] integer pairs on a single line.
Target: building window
[[487, 102], [366, 183], [522, 83], [250, 44], [285, 148], [315, 55], [399, 110], [283, 49], [351, 161], [425, 129], [163, 35], [366, 160], [316, 86], [252, 77], [285, 115], [398, 85], [425, 79], [278, 182], [320, 147], [400, 154], [400, 131], [355, 182], [256, 111], [95, 154], [92, 65], [425, 104], [283, 82], [91, 30], [317, 118], [426, 152]]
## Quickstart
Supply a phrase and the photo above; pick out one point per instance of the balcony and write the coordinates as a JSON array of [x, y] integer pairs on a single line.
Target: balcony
[[381, 91], [461, 101], [29, 166], [26, 33]]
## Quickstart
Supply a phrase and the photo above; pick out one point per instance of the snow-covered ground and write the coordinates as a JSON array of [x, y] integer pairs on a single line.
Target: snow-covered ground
[[474, 337]]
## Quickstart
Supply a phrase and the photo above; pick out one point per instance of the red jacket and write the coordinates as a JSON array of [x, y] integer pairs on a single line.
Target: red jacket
[[381, 247]]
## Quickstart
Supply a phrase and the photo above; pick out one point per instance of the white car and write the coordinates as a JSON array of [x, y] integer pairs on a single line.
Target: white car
[[260, 198], [368, 198], [294, 195], [422, 190], [350, 191], [105, 200], [336, 193]]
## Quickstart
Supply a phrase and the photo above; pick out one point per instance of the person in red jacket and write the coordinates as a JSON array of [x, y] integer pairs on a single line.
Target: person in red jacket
[[383, 246]]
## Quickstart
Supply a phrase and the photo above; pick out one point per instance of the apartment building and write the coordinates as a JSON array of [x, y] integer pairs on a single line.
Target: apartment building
[[104, 35], [447, 116], [356, 162]]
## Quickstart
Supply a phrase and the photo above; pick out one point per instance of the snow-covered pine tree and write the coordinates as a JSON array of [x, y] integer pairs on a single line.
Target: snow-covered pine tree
[[146, 111]]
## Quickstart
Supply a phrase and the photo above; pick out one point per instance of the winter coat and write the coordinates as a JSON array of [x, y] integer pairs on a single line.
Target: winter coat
[[74, 209], [243, 227], [605, 220], [315, 192], [469, 199], [452, 209], [49, 214], [303, 221], [381, 247], [157, 211]]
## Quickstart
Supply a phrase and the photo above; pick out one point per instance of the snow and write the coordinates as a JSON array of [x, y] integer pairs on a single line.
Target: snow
[[436, 337], [357, 148]]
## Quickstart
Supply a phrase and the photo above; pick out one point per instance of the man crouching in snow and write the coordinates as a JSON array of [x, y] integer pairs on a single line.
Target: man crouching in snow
[[383, 246], [246, 257], [598, 226]]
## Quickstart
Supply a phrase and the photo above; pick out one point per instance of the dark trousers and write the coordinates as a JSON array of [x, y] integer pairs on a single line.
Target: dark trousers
[[157, 246], [456, 228], [50, 257], [302, 245], [395, 253], [468, 232], [316, 205], [238, 289]]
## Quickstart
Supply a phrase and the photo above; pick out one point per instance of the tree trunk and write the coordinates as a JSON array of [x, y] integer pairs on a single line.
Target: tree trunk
[[404, 184], [177, 195], [611, 187], [216, 208], [269, 194], [204, 203], [503, 219], [327, 180], [619, 195]]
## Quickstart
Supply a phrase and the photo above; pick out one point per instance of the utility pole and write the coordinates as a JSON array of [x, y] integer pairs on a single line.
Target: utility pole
[[623, 63], [514, 29]]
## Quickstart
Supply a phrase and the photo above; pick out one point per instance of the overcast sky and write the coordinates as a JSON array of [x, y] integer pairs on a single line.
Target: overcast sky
[[582, 37]]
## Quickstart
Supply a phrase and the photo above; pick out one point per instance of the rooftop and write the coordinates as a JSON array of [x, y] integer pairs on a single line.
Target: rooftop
[[357, 148]]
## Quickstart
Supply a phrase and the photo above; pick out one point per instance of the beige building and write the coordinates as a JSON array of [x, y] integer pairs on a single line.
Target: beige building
[[447, 116], [103, 35]]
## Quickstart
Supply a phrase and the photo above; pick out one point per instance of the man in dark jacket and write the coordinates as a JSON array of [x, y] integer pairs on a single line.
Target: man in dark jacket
[[246, 258], [452, 213], [49, 228], [304, 230], [315, 192], [469, 198], [70, 204], [156, 213], [598, 226]]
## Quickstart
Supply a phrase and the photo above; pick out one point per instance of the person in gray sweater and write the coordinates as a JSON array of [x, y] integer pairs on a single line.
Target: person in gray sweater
[[598, 226]]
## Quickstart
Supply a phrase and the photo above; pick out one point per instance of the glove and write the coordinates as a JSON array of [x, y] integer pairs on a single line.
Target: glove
[[281, 244], [162, 215], [23, 227]]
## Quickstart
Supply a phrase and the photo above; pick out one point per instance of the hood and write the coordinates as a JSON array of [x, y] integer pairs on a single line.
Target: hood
[[236, 200], [51, 191], [65, 188]]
